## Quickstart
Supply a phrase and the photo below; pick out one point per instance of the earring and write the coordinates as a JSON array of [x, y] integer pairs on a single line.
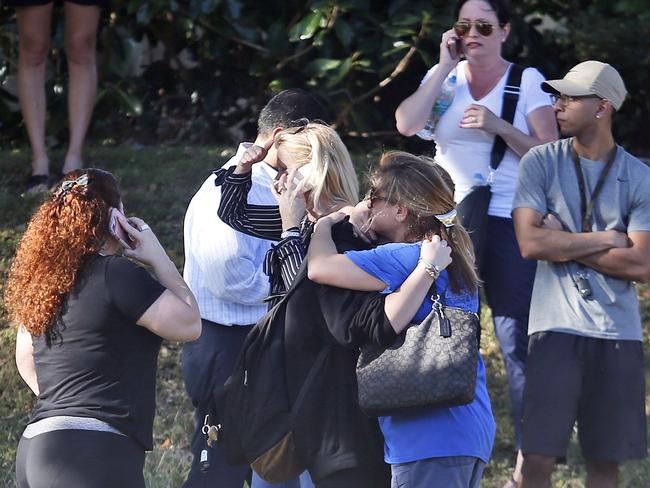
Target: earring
[[597, 116]]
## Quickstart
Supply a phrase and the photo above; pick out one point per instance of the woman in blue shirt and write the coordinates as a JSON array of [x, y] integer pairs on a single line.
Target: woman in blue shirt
[[411, 199]]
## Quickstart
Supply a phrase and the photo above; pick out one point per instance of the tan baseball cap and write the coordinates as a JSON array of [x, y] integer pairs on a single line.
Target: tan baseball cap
[[590, 78]]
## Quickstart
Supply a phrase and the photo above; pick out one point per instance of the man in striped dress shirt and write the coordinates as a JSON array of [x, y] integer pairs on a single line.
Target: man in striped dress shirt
[[223, 268]]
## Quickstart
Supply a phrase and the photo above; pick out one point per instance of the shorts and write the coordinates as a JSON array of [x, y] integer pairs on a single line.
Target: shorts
[[35, 3], [597, 382]]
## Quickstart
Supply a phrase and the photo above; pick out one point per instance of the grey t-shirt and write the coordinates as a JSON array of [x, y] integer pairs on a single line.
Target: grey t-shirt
[[548, 183]]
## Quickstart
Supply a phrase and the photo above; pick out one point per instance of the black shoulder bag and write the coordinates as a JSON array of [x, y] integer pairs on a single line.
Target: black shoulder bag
[[430, 364], [473, 209]]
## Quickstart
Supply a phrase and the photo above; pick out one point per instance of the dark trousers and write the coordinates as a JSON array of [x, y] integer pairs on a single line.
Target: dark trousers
[[508, 280], [79, 459], [205, 364]]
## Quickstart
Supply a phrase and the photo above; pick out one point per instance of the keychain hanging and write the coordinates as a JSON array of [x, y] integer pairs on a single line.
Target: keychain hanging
[[211, 433]]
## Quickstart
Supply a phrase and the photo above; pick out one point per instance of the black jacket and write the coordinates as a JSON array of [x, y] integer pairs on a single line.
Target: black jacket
[[331, 432]]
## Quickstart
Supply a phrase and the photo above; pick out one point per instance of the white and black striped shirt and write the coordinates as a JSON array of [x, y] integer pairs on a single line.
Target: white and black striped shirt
[[263, 221]]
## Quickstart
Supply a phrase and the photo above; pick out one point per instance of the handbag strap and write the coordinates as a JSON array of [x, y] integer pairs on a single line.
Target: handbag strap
[[510, 99], [438, 309]]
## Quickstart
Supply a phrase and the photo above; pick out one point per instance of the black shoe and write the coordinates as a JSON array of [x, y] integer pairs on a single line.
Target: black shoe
[[35, 184]]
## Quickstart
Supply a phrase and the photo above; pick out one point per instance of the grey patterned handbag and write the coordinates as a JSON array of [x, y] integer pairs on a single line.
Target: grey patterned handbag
[[430, 364]]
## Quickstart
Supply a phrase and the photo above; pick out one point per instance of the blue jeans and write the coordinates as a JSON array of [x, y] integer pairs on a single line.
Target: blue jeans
[[508, 280], [438, 472]]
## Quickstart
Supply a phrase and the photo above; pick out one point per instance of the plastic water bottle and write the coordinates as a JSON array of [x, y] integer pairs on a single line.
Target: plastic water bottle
[[440, 106]]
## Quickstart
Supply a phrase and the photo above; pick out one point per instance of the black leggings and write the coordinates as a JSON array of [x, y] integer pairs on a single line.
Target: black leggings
[[79, 459]]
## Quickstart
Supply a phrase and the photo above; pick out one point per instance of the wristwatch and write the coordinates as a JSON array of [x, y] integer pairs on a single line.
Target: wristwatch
[[291, 232]]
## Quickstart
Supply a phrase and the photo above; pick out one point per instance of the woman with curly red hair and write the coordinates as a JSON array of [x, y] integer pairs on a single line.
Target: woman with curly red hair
[[90, 324]]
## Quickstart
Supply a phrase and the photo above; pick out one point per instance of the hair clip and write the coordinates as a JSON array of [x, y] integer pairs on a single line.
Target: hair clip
[[447, 219], [68, 185]]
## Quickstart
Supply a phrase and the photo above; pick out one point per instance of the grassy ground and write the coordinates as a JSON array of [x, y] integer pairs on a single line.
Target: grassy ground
[[157, 184]]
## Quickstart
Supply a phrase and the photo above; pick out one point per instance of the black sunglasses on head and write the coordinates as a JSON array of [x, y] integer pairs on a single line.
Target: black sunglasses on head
[[297, 126], [483, 27]]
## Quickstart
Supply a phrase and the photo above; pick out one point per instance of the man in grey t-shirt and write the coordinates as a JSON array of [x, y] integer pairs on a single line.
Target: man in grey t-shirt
[[582, 208]]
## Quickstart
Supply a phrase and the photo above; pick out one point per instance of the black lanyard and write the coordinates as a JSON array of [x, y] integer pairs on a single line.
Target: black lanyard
[[587, 209]]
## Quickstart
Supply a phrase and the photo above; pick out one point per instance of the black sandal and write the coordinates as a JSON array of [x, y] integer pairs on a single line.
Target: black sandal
[[36, 184]]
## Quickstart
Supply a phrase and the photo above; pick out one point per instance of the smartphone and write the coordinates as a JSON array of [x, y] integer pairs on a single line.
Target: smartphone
[[302, 174], [455, 48], [304, 171], [116, 229]]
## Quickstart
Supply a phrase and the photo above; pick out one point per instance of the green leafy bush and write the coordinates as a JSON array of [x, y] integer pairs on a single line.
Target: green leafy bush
[[215, 62]]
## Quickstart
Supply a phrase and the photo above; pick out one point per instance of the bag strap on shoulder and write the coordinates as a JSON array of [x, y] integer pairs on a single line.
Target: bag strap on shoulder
[[306, 386], [510, 99]]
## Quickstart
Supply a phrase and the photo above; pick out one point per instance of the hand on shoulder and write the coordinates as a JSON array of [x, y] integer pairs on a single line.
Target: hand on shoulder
[[435, 252]]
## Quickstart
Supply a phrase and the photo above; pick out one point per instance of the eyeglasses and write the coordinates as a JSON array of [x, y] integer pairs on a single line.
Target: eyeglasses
[[483, 27], [373, 197], [566, 99]]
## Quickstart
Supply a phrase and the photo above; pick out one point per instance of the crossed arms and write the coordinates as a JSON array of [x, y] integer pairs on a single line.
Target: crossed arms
[[613, 253]]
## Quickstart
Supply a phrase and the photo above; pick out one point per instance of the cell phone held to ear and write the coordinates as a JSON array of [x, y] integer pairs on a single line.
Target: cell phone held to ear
[[116, 229], [455, 47]]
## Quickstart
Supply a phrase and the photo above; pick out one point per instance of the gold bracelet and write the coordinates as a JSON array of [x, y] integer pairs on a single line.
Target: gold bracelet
[[432, 269]]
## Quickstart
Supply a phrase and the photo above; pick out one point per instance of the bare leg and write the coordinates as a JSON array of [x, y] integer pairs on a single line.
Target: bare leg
[[34, 42], [536, 471], [80, 41], [601, 474], [516, 474]]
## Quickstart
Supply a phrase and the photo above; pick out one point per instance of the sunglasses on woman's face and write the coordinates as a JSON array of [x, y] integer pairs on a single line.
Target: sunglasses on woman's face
[[483, 27], [373, 197]]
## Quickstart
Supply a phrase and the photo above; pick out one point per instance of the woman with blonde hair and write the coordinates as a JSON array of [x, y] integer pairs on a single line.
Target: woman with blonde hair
[[411, 201], [319, 178], [89, 327]]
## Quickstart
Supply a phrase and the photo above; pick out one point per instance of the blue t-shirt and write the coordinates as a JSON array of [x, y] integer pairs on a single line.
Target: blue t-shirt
[[467, 430]]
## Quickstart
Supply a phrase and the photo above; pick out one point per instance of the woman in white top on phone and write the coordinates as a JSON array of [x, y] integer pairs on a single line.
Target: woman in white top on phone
[[464, 136]]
